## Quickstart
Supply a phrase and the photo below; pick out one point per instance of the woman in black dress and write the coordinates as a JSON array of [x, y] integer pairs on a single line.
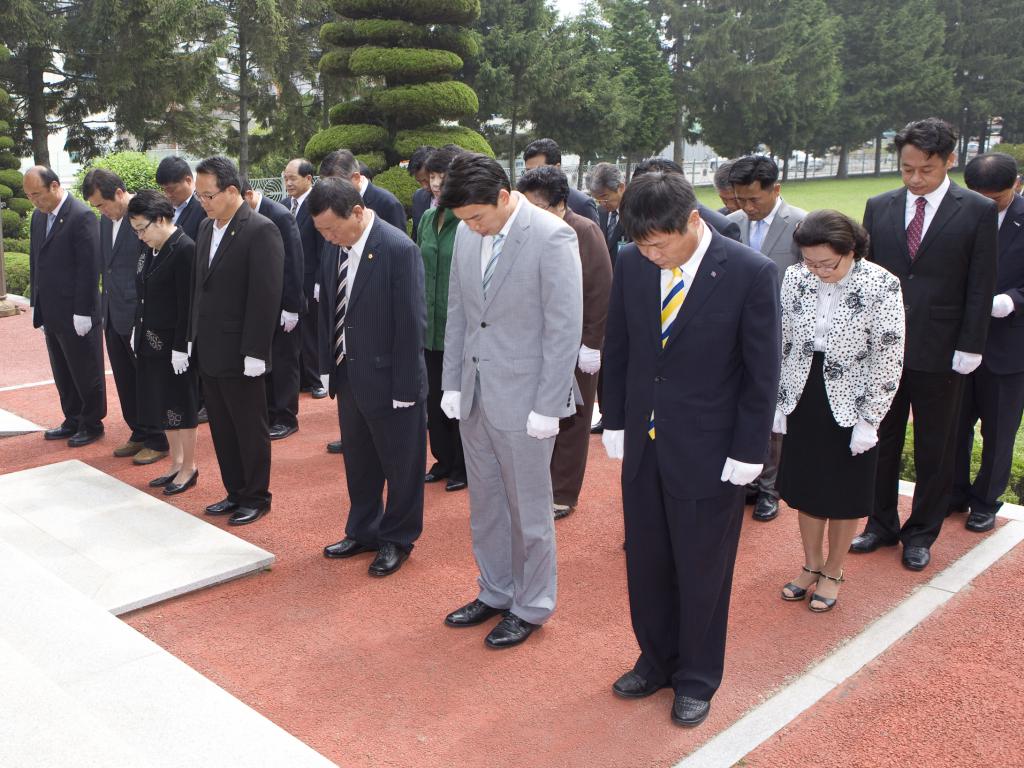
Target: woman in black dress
[[842, 358], [167, 387]]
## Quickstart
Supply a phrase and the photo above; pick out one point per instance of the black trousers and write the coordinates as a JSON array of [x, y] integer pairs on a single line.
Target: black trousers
[[309, 345], [445, 442], [77, 366], [122, 363], [935, 400], [388, 447], [283, 379], [237, 407], [998, 400], [569, 458], [680, 555]]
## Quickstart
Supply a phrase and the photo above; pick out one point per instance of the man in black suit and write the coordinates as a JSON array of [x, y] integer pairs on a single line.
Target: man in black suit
[[174, 175], [940, 241], [236, 305], [64, 272], [718, 222], [994, 393], [547, 152], [283, 378], [422, 199], [120, 250], [373, 301], [691, 373], [298, 180]]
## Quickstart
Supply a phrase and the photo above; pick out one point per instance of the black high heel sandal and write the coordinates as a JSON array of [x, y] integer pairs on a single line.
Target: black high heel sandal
[[798, 592], [825, 604]]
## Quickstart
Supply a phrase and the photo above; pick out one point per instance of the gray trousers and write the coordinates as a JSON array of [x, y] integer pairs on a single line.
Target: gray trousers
[[764, 485], [510, 516]]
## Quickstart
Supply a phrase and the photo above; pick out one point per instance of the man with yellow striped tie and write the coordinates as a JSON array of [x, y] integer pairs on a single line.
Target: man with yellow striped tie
[[691, 368]]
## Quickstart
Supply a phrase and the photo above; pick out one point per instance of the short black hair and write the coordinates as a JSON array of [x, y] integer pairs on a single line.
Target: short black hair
[[366, 170], [753, 168], [225, 171], [662, 164], [172, 169], [340, 164], [104, 181], [721, 178], [657, 202], [338, 194], [548, 181], [418, 159], [473, 179], [151, 204], [991, 172], [834, 229], [931, 135], [547, 147], [305, 167], [440, 159]]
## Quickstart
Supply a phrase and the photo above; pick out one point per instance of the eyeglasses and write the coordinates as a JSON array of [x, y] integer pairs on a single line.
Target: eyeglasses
[[208, 196], [139, 230], [824, 268]]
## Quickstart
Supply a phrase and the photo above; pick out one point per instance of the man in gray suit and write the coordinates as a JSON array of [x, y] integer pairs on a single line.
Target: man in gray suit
[[515, 320], [766, 225]]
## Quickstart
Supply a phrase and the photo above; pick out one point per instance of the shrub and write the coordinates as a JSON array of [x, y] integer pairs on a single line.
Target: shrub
[[4, 98], [5, 127], [403, 64], [18, 245], [137, 170], [335, 62], [6, 143], [9, 161], [423, 11], [21, 205], [5, 192], [398, 181], [427, 102], [12, 178], [391, 32], [1016, 151], [407, 141], [16, 269], [375, 161], [356, 138], [12, 223]]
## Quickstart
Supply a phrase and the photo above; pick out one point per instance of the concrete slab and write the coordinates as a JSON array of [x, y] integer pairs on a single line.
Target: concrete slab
[[11, 424], [118, 546]]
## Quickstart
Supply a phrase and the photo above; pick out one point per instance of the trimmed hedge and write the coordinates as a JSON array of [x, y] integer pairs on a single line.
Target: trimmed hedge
[[12, 178], [21, 205], [423, 11], [390, 32], [4, 98], [335, 62], [6, 142], [5, 127], [356, 138], [5, 192], [375, 161], [410, 105], [399, 183], [403, 64], [9, 162], [18, 245], [16, 269], [12, 223], [407, 141], [136, 169]]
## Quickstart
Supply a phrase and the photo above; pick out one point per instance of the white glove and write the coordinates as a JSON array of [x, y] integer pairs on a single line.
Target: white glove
[[451, 404], [325, 380], [179, 361], [614, 441], [590, 359], [1002, 305], [779, 424], [541, 427], [316, 292], [254, 367], [83, 324], [401, 404], [865, 437], [738, 473], [289, 320], [965, 362], [131, 339]]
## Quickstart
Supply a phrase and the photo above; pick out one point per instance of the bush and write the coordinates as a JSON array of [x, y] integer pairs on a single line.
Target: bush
[[398, 181], [407, 141], [422, 11], [12, 178], [403, 64], [137, 170], [21, 205], [8, 161], [6, 143], [335, 62], [18, 245], [1016, 151], [389, 33], [5, 127], [12, 223], [16, 268], [375, 161], [410, 105], [6, 192], [356, 138]]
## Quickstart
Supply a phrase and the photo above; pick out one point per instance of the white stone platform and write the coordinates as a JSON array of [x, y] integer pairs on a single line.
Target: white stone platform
[[115, 544], [11, 424]]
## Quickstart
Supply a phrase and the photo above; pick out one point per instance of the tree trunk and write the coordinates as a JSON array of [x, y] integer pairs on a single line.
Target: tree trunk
[[35, 59], [878, 155], [677, 137], [843, 169], [243, 100]]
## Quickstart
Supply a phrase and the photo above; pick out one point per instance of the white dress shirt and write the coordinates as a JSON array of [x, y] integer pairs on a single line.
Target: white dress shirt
[[218, 235], [829, 296], [933, 199], [689, 269], [115, 228], [488, 244], [180, 209], [301, 199], [355, 254], [764, 224]]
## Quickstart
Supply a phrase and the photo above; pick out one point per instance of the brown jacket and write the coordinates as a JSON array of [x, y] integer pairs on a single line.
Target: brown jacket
[[597, 277]]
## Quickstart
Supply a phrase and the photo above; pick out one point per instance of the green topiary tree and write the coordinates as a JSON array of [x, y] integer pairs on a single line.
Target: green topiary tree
[[12, 194], [136, 169], [407, 52]]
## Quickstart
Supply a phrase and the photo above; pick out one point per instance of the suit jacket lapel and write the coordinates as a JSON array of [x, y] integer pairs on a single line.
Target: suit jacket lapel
[[775, 230], [509, 251], [1012, 226], [709, 276], [650, 298], [948, 208], [123, 233], [898, 213], [58, 221], [367, 263], [233, 229]]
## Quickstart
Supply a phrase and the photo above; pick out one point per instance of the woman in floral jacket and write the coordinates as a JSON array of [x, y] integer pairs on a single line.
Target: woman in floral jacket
[[842, 358]]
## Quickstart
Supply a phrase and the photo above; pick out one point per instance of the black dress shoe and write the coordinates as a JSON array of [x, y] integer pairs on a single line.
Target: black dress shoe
[[160, 482], [318, 393], [510, 631], [173, 488], [979, 522], [869, 542], [203, 417], [59, 433], [598, 428], [281, 431], [689, 712], [916, 558], [335, 446], [454, 484], [471, 614], [434, 477], [389, 559], [633, 685], [83, 437], [222, 507], [246, 515], [766, 509], [346, 548]]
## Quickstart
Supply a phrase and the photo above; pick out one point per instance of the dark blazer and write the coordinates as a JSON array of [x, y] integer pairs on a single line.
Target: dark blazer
[[191, 218], [165, 286], [385, 205], [1004, 350], [713, 387], [236, 299], [64, 267], [312, 246], [720, 223], [583, 205], [385, 321], [614, 239], [120, 262], [420, 204], [947, 291], [292, 298]]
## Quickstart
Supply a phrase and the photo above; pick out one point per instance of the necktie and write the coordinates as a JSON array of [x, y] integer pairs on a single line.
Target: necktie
[[496, 246], [916, 228], [670, 305], [613, 222], [50, 218], [757, 235], [295, 205], [339, 306]]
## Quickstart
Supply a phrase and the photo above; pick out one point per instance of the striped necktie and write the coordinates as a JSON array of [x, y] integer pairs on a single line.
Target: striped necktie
[[339, 306], [670, 305], [496, 246], [295, 206]]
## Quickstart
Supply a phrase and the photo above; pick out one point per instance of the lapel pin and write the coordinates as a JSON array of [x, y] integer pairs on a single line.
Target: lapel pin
[[714, 274], [369, 255], [232, 233]]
